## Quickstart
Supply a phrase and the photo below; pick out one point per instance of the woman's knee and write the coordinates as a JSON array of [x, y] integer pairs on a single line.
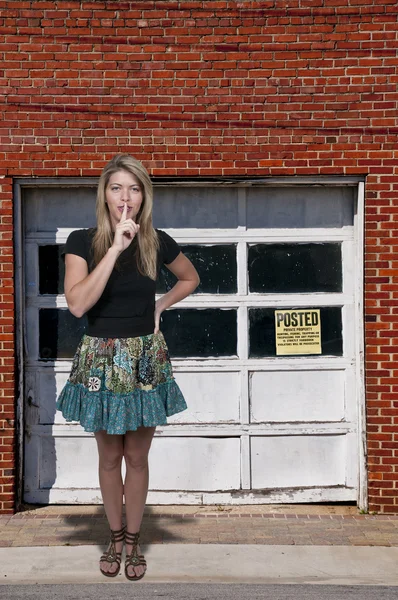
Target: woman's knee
[[110, 452], [136, 460], [136, 448], [110, 462]]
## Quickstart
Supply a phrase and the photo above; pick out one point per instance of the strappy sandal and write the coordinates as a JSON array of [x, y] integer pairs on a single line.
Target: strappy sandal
[[133, 559], [111, 556]]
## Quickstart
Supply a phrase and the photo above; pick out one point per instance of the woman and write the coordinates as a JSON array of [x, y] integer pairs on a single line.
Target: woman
[[121, 385]]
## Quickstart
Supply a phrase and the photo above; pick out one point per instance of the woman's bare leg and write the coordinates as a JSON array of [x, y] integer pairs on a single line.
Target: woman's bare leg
[[136, 449], [110, 451]]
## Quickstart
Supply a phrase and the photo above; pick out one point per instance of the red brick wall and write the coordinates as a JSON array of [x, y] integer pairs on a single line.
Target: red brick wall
[[7, 346], [213, 88]]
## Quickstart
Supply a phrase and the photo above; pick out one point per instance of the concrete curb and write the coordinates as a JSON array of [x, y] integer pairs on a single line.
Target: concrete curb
[[223, 563]]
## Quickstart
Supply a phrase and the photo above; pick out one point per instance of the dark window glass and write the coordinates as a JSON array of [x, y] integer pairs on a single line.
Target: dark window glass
[[292, 268], [59, 333], [51, 270], [200, 332], [216, 266], [262, 331]]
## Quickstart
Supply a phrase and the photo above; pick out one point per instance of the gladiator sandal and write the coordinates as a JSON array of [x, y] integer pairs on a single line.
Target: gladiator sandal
[[134, 559], [111, 556]]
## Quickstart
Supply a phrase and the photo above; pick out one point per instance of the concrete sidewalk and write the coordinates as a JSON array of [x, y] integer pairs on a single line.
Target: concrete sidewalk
[[209, 563], [250, 544]]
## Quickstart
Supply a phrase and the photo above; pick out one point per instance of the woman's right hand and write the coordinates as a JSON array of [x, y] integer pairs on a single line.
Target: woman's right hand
[[125, 232]]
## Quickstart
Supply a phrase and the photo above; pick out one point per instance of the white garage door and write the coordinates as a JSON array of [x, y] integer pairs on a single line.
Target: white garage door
[[261, 426]]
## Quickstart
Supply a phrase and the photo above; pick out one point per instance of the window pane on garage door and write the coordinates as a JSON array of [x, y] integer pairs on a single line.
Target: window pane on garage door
[[295, 268], [189, 332], [200, 332], [59, 333], [51, 269], [262, 331], [216, 266]]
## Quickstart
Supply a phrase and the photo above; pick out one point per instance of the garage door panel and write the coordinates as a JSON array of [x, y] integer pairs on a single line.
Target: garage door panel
[[297, 395], [298, 461], [206, 395], [195, 464], [300, 207], [211, 397], [68, 462], [174, 463], [196, 207], [50, 384], [43, 208]]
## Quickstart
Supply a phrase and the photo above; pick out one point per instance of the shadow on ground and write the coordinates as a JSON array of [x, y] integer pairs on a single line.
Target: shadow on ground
[[82, 527]]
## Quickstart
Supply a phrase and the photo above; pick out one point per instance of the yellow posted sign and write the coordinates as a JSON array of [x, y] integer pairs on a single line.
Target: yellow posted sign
[[298, 331]]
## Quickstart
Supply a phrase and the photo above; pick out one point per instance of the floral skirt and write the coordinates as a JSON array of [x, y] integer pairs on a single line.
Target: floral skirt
[[120, 384]]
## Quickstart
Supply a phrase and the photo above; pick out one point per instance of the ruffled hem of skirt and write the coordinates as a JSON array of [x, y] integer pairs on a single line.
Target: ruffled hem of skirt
[[117, 413]]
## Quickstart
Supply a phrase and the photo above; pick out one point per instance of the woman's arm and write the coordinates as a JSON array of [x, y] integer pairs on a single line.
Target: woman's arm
[[83, 290], [188, 281]]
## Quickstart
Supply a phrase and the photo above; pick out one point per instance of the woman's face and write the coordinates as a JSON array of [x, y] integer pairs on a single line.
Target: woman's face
[[123, 188]]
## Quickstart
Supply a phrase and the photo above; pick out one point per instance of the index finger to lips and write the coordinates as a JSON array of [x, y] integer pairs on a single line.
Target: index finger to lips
[[124, 213]]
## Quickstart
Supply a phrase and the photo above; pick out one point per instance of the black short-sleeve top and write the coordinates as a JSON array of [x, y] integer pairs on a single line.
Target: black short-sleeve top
[[127, 304]]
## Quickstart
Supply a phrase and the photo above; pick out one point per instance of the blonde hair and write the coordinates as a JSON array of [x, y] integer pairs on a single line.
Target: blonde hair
[[148, 243]]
